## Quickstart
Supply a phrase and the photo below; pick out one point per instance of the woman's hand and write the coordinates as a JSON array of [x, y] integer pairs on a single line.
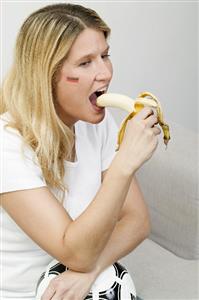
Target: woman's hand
[[140, 139], [70, 285]]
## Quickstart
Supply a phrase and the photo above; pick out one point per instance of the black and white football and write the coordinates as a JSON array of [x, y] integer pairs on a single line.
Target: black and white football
[[114, 283]]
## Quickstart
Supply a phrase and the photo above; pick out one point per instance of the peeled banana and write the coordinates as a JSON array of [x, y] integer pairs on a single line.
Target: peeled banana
[[133, 107]]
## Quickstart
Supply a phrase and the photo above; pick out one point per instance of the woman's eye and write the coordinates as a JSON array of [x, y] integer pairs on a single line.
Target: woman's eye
[[85, 63], [105, 56]]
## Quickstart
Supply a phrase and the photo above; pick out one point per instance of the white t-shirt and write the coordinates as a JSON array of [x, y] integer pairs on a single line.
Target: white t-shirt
[[22, 260]]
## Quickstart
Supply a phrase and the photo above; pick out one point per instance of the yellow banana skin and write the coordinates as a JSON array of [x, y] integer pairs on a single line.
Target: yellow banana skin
[[133, 107]]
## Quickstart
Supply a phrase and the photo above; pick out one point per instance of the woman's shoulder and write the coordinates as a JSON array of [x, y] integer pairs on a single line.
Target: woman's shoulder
[[19, 162]]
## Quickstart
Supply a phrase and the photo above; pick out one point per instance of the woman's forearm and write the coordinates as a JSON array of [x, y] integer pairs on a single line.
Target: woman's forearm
[[131, 229], [128, 233], [87, 236]]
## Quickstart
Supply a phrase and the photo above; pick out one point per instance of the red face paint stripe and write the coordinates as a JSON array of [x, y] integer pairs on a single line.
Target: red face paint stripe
[[72, 79]]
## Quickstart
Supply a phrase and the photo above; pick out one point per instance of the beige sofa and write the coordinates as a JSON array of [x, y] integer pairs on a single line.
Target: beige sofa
[[165, 266]]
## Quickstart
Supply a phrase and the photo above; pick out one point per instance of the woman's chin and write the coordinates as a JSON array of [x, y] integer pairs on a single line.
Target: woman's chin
[[97, 115]]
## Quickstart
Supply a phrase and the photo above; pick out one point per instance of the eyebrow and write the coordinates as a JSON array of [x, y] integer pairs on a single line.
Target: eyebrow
[[89, 55]]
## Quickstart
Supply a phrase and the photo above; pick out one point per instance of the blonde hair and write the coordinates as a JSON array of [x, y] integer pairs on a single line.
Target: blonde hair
[[42, 46]]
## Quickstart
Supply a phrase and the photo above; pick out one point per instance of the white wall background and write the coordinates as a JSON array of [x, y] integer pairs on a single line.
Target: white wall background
[[154, 47]]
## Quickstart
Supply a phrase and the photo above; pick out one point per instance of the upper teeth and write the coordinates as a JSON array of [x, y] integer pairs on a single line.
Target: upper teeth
[[101, 90]]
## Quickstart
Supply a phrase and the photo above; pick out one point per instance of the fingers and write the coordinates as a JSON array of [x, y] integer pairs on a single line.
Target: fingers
[[156, 130], [151, 121], [56, 298], [59, 298], [144, 113], [49, 293], [147, 116]]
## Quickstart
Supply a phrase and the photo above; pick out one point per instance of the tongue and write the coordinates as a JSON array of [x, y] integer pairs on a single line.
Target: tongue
[[93, 99]]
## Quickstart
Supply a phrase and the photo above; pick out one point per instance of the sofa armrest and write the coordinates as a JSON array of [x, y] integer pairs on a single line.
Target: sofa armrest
[[169, 182]]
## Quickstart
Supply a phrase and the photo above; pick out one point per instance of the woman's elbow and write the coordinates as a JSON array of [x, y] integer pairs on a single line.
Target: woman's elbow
[[80, 263], [78, 259]]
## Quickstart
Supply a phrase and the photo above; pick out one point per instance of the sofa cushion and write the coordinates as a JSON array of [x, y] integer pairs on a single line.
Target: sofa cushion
[[169, 181], [158, 274]]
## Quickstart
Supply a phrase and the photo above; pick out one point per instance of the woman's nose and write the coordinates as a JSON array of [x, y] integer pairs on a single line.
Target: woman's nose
[[104, 71]]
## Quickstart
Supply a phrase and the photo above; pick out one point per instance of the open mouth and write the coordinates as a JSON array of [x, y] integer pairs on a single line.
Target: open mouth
[[93, 97]]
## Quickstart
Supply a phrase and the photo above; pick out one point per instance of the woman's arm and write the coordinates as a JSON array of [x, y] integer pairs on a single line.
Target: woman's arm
[[131, 229], [78, 244]]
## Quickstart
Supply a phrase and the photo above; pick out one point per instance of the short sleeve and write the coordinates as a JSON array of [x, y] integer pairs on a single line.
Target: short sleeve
[[19, 169], [109, 144]]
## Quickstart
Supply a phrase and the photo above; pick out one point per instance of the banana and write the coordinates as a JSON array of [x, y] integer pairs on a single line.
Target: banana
[[133, 107]]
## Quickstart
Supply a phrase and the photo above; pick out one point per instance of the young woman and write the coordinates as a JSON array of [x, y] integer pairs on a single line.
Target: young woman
[[65, 192]]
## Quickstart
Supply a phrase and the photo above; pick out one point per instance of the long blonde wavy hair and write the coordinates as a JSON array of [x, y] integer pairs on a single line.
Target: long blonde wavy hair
[[42, 46]]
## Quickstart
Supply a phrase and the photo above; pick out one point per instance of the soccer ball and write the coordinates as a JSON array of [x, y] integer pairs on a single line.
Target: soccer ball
[[114, 283]]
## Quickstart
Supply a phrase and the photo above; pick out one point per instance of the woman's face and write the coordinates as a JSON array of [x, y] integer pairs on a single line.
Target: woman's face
[[86, 70]]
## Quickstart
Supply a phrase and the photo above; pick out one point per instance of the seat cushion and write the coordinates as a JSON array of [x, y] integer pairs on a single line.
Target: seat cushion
[[158, 274]]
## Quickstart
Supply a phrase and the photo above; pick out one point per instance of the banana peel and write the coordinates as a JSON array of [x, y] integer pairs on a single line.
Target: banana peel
[[139, 105], [133, 107]]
